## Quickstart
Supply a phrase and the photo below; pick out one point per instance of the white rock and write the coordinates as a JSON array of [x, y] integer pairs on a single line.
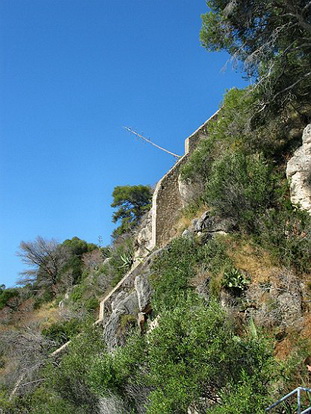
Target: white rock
[[298, 173]]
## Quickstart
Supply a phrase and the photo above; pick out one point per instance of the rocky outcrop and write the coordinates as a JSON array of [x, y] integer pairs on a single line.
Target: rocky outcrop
[[143, 290], [208, 226], [123, 304], [143, 242], [298, 173]]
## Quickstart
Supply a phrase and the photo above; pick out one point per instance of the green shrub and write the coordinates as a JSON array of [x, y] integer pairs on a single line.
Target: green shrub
[[240, 187], [61, 332], [286, 233], [172, 272], [229, 131], [122, 373], [194, 352], [65, 388], [6, 296], [234, 279]]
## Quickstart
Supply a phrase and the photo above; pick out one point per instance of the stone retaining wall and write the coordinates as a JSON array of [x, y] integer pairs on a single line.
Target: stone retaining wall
[[167, 201]]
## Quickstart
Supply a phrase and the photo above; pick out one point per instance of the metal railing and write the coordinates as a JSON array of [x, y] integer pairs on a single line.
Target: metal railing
[[298, 391]]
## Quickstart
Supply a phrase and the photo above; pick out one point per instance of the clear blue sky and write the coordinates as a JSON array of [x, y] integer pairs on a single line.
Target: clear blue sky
[[73, 72]]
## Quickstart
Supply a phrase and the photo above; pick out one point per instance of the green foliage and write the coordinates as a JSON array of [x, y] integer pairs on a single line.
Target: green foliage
[[240, 187], [229, 131], [172, 272], [61, 332], [73, 264], [6, 296], [65, 387], [234, 279], [43, 297], [192, 353], [271, 39], [189, 360], [286, 233], [112, 373], [174, 269], [132, 202]]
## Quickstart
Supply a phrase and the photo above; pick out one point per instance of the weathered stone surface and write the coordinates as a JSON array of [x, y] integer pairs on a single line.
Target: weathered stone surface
[[123, 305], [143, 242], [298, 172], [119, 298], [111, 405], [141, 319], [212, 224], [143, 290]]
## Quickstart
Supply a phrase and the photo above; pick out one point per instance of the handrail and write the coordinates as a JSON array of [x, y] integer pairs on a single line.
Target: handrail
[[298, 391]]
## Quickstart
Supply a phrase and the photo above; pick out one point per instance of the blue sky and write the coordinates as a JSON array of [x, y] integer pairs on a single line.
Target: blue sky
[[72, 74]]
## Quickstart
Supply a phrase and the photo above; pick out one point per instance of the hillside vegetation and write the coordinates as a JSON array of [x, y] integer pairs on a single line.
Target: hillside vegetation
[[226, 327]]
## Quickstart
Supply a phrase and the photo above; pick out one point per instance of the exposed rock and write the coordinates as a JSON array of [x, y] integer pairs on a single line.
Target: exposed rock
[[129, 304], [298, 172], [212, 224], [187, 234], [119, 298], [143, 242], [143, 290], [122, 305], [141, 319], [111, 405]]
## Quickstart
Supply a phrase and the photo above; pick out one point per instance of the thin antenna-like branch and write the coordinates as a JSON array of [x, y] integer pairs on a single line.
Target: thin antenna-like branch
[[150, 142]]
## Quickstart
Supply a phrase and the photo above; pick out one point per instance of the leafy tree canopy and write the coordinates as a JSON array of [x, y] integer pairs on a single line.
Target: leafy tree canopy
[[271, 38], [132, 202]]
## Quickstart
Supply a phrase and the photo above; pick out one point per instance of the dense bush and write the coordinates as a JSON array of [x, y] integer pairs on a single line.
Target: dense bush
[[286, 233], [183, 261], [6, 296], [61, 332], [240, 187], [192, 354]]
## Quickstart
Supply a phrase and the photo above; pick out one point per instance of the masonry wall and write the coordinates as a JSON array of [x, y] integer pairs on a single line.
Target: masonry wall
[[167, 201]]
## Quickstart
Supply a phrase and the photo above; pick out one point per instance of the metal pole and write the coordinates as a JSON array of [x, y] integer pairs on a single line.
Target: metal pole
[[150, 142], [298, 401]]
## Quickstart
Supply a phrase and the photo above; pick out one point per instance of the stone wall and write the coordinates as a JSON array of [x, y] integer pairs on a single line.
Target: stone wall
[[167, 201]]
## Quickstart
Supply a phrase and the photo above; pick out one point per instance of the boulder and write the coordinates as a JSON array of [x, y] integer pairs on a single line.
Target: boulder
[[212, 224], [298, 173]]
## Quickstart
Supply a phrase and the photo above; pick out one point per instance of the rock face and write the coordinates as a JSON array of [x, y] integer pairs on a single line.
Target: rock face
[[298, 172], [143, 290], [143, 242], [208, 226], [123, 304]]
